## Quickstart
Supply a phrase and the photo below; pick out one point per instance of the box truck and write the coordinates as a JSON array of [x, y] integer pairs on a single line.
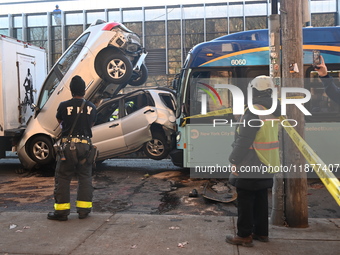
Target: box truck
[[23, 68]]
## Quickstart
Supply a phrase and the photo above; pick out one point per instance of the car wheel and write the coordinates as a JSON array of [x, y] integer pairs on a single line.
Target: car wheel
[[139, 78], [40, 149], [116, 68], [157, 148]]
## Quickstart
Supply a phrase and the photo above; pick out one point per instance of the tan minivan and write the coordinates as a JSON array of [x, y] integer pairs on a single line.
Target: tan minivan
[[106, 55]]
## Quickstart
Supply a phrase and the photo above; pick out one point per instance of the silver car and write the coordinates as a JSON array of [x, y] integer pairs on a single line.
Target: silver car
[[143, 119], [106, 55]]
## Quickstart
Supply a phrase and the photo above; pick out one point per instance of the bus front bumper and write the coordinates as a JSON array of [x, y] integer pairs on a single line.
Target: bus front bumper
[[176, 156]]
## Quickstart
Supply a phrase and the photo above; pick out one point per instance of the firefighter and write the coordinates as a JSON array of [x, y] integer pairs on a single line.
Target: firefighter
[[76, 153]]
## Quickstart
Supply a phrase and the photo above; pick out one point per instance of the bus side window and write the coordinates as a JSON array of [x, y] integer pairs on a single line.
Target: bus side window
[[320, 102], [336, 78]]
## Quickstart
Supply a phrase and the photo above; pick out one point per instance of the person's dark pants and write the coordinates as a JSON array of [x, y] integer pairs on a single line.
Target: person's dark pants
[[252, 212], [75, 164]]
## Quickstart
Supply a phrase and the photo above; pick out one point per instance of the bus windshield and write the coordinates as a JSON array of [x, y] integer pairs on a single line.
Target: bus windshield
[[205, 93]]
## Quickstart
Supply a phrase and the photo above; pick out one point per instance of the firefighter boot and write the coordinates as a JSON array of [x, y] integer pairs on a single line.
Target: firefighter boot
[[56, 216]]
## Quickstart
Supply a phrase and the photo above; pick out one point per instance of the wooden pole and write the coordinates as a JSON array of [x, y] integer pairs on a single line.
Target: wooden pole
[[277, 214], [296, 210]]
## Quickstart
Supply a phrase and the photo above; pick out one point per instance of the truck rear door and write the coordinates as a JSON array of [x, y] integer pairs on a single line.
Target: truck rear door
[[27, 90]]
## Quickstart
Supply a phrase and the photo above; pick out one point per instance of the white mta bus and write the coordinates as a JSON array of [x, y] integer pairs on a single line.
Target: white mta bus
[[235, 60]]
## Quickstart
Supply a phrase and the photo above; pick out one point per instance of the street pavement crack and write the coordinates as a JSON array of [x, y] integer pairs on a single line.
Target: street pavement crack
[[94, 232]]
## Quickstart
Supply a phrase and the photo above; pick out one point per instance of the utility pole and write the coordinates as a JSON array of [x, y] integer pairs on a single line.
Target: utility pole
[[296, 209], [277, 214]]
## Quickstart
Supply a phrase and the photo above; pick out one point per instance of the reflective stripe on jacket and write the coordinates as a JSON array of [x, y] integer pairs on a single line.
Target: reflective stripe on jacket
[[266, 143]]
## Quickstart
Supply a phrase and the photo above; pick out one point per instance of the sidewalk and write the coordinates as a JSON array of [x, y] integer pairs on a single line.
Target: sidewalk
[[123, 234]]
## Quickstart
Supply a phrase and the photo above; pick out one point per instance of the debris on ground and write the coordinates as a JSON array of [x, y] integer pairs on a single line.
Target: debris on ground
[[12, 226], [134, 246], [220, 187], [174, 227], [219, 192], [181, 245], [193, 193]]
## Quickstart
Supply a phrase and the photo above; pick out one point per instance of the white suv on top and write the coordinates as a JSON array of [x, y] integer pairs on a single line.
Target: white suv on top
[[104, 55]]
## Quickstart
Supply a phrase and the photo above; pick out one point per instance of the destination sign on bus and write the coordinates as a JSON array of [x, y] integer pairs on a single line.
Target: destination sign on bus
[[238, 99]]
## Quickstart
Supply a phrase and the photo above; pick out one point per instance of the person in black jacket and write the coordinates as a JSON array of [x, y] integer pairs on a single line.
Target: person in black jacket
[[332, 91], [252, 187]]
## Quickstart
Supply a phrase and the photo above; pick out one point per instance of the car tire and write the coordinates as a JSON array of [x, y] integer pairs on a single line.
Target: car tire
[[40, 149], [116, 68], [157, 148], [139, 78]]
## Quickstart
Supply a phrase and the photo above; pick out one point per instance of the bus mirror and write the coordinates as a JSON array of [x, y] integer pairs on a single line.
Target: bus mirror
[[175, 82]]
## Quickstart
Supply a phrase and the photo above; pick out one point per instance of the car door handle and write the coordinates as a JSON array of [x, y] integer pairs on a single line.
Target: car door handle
[[114, 125], [60, 90], [83, 57], [150, 110]]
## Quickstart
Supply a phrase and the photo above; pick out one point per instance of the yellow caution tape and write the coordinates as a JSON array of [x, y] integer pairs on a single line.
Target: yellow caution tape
[[294, 97], [208, 114], [327, 177]]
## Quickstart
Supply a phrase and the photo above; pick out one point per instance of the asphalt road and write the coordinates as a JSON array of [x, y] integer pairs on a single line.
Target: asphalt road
[[141, 186]]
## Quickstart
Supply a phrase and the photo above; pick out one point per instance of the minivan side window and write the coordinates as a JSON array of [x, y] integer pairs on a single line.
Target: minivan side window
[[109, 113], [134, 103], [72, 53], [168, 100]]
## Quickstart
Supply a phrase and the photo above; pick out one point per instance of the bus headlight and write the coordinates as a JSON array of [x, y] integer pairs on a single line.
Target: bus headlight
[[178, 137]]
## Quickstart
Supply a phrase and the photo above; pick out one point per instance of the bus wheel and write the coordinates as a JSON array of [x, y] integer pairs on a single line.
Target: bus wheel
[[157, 148]]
